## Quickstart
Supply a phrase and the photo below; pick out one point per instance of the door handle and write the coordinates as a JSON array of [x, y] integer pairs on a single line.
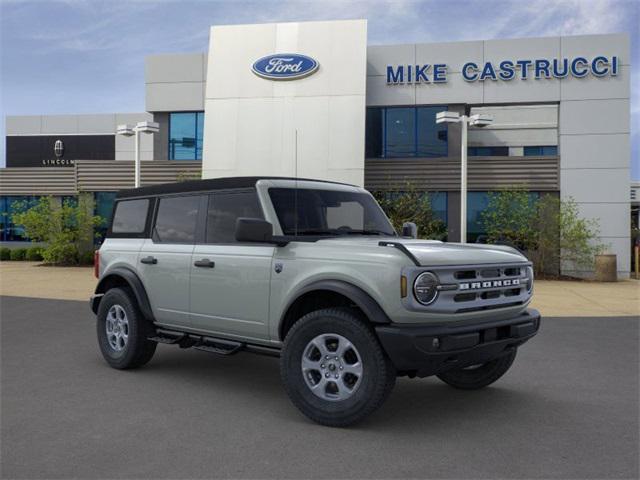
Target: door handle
[[205, 263], [149, 260]]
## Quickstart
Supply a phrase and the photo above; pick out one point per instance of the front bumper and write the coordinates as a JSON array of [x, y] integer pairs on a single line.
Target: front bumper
[[424, 350]]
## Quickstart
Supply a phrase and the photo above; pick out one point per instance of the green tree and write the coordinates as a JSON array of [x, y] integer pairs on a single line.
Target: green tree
[[510, 218], [549, 229], [412, 205], [67, 229]]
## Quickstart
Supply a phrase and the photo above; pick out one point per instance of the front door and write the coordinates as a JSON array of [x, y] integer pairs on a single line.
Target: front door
[[229, 280], [165, 259]]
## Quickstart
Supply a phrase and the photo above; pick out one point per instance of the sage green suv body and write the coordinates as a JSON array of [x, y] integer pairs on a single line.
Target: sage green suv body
[[312, 272]]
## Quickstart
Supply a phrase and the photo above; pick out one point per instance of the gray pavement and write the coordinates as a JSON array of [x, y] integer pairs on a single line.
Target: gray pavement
[[567, 409]]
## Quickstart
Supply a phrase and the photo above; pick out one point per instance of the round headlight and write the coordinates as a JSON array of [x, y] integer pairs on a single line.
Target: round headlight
[[425, 288], [529, 280]]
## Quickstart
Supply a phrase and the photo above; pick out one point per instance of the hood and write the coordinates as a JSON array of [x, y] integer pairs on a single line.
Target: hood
[[436, 253]]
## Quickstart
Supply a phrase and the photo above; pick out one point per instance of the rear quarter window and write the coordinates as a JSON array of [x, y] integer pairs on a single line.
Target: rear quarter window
[[130, 217]]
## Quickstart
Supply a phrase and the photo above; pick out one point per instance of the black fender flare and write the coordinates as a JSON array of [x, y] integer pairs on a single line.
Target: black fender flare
[[133, 281], [372, 310]]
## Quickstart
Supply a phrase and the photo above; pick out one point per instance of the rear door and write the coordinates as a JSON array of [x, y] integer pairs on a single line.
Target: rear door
[[230, 281], [165, 258]]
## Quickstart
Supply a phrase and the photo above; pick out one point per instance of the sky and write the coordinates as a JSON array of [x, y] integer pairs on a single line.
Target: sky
[[87, 56]]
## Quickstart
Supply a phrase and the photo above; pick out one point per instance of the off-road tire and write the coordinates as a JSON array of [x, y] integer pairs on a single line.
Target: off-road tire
[[138, 350], [378, 376], [480, 377]]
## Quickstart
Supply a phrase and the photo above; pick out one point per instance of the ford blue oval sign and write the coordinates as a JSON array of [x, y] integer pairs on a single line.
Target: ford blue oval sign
[[285, 66]]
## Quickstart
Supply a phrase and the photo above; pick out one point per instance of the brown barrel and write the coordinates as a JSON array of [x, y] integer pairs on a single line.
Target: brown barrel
[[606, 268]]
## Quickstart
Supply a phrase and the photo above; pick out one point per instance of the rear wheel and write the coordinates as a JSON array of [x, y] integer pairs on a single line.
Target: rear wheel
[[479, 376], [123, 331], [334, 369]]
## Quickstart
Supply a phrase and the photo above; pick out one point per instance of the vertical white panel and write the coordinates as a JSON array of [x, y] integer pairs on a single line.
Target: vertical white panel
[[250, 122]]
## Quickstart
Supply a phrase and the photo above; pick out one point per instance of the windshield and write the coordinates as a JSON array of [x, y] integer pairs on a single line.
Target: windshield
[[328, 212]]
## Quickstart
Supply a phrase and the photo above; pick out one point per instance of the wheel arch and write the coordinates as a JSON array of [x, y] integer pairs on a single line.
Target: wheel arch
[[124, 277], [329, 293]]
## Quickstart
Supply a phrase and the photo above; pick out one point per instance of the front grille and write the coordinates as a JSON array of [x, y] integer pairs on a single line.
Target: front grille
[[481, 287]]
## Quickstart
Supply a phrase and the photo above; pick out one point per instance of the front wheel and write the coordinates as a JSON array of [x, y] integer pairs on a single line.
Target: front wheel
[[479, 376], [334, 369]]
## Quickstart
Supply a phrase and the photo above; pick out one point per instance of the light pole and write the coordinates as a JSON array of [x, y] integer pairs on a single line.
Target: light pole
[[477, 120], [128, 131]]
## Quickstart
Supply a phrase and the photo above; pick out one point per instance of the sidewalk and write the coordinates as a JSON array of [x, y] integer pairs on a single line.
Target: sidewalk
[[552, 298]]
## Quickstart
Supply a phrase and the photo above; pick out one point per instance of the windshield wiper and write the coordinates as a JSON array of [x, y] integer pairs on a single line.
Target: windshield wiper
[[367, 232], [314, 232], [344, 231]]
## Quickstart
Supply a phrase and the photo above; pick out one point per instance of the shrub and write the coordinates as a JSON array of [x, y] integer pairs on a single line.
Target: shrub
[[86, 258], [412, 205], [67, 229], [34, 254], [510, 218], [5, 253], [18, 253], [548, 228]]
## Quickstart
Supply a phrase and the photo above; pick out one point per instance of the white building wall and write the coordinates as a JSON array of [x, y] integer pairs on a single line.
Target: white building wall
[[251, 122]]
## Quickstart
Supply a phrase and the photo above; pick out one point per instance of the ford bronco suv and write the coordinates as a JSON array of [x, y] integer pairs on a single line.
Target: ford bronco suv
[[312, 272]]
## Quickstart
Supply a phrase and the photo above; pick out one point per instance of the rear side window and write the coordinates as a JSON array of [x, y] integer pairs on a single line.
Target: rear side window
[[130, 216], [176, 219], [224, 210]]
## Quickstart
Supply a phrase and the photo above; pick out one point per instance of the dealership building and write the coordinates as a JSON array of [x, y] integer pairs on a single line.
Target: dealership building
[[313, 100]]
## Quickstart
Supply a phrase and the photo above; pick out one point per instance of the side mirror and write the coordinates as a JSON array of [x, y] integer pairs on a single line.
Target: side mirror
[[253, 230], [409, 229]]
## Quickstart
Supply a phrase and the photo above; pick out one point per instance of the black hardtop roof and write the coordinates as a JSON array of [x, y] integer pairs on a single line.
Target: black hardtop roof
[[206, 185]]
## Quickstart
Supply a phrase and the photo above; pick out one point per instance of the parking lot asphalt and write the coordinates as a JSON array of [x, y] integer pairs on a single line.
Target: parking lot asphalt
[[568, 408]]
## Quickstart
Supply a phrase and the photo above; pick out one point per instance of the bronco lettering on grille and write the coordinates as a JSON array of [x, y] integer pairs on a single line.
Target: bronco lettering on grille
[[489, 284]]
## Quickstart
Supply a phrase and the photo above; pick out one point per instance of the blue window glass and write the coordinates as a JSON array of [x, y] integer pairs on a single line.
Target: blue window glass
[[432, 136], [185, 135], [400, 132], [104, 208], [488, 151], [9, 231], [543, 151], [439, 205], [477, 202], [405, 132]]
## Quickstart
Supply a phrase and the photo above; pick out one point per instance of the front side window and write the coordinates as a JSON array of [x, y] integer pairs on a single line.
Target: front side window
[[185, 135], [130, 216], [176, 219], [328, 212], [224, 209]]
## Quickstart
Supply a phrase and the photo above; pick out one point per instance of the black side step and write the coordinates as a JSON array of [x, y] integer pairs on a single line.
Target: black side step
[[218, 345], [168, 337]]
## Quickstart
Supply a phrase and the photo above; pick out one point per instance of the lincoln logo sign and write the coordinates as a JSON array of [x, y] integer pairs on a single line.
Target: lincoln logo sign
[[505, 70], [58, 148], [285, 66]]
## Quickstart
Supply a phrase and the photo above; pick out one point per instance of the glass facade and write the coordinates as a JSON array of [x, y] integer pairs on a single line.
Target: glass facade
[[488, 151], [185, 135], [10, 232], [405, 132], [544, 151], [104, 208]]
